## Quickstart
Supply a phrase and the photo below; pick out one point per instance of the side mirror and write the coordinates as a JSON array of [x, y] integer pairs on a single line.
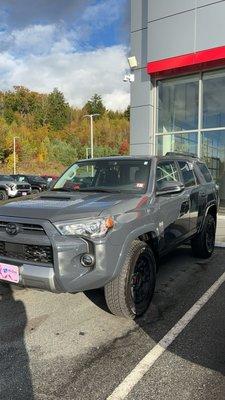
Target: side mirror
[[171, 187]]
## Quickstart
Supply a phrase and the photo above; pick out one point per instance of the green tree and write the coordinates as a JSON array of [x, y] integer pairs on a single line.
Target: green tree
[[63, 152], [127, 113], [95, 105], [58, 110]]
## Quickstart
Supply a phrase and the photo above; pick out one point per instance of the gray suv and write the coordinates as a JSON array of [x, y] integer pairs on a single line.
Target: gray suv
[[106, 223]]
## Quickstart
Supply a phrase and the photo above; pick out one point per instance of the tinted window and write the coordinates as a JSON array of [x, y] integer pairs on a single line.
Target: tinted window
[[6, 178], [205, 172], [187, 173], [166, 172]]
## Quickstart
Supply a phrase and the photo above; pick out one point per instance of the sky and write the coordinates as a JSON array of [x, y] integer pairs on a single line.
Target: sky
[[78, 46]]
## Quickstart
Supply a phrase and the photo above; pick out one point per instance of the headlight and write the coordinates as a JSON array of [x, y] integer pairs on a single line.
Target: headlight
[[92, 228], [12, 186]]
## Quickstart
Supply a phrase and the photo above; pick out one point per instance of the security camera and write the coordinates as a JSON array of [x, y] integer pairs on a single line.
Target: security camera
[[129, 78]]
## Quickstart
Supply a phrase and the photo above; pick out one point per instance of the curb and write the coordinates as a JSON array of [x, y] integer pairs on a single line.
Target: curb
[[220, 244]]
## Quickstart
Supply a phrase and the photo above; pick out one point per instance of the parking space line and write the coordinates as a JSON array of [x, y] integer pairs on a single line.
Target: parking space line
[[147, 362]]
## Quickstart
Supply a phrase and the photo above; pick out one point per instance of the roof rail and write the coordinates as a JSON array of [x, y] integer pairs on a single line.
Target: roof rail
[[174, 154]]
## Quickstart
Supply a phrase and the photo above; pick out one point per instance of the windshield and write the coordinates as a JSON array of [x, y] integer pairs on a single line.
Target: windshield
[[128, 176]]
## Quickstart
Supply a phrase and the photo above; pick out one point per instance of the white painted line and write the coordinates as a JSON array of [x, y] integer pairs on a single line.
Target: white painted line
[[146, 363]]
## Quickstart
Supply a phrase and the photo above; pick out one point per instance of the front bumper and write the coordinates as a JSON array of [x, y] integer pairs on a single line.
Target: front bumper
[[12, 192], [65, 273]]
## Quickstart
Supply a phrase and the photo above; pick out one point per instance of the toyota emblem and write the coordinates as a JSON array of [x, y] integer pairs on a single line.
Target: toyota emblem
[[12, 229]]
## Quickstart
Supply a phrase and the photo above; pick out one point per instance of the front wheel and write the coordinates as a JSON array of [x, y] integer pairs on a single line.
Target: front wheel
[[130, 294], [35, 191], [204, 243], [3, 195]]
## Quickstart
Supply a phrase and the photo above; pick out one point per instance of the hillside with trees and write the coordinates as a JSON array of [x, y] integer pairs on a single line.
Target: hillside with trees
[[50, 134]]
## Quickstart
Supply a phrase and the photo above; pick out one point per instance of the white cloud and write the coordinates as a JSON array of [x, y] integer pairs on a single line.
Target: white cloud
[[78, 75], [117, 100], [34, 38], [42, 56]]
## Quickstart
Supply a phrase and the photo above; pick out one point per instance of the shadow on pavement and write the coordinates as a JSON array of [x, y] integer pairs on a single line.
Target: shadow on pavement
[[15, 376], [97, 297], [181, 281]]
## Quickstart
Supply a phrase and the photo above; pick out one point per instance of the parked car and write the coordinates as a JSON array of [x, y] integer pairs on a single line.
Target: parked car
[[37, 183], [8, 187], [13, 188], [106, 223], [49, 179]]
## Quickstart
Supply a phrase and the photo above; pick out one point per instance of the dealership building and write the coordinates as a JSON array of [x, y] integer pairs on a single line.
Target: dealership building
[[178, 80]]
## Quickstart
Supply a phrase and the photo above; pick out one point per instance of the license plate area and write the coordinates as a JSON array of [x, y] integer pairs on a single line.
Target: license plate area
[[9, 273]]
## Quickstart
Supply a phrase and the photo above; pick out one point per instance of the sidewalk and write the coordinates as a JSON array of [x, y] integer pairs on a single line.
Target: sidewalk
[[220, 234]]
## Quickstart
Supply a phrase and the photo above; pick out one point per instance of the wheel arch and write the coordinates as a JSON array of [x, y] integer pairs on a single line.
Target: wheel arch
[[148, 235], [152, 240], [212, 210]]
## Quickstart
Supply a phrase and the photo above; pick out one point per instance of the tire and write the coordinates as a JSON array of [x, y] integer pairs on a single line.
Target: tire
[[3, 195], [130, 294], [35, 191], [204, 243]]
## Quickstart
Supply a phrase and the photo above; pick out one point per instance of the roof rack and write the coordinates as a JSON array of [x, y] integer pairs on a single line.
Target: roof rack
[[174, 154]]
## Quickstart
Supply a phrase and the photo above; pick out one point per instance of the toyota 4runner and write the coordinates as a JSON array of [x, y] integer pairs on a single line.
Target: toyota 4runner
[[106, 223]]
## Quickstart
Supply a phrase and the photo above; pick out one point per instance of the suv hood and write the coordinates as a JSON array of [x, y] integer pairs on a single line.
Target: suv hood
[[8, 183], [58, 206]]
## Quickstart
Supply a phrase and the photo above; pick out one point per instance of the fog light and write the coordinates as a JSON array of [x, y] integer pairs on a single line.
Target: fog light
[[87, 260]]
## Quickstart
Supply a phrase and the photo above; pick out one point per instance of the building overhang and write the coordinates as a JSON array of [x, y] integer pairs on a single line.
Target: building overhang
[[192, 62]]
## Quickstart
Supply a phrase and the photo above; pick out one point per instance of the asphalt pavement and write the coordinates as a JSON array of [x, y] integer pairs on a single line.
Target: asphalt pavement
[[70, 347]]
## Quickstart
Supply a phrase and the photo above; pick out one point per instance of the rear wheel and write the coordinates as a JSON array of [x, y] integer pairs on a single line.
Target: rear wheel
[[130, 294], [3, 195], [204, 243]]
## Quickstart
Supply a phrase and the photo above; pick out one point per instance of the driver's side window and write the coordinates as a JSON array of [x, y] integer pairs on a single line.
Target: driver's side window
[[166, 171]]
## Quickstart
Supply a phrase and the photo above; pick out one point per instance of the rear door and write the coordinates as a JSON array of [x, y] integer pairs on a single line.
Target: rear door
[[192, 190], [173, 208]]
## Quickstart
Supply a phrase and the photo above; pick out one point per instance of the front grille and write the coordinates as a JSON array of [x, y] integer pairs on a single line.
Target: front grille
[[20, 187], [24, 228], [27, 252]]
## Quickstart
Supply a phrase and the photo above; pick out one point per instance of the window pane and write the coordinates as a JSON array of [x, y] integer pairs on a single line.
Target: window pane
[[178, 104], [180, 143], [214, 100], [205, 172], [213, 152], [166, 172], [187, 174]]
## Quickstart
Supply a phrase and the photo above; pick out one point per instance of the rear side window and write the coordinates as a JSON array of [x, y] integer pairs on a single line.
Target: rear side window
[[187, 173], [205, 172]]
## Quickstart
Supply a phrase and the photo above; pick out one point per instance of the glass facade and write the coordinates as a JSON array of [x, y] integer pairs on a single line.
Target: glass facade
[[191, 118]]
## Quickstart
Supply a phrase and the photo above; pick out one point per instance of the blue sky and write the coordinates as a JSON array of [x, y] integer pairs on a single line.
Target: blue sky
[[79, 46]]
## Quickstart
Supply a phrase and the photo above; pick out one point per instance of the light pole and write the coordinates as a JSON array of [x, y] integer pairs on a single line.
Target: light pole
[[91, 116], [14, 154]]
